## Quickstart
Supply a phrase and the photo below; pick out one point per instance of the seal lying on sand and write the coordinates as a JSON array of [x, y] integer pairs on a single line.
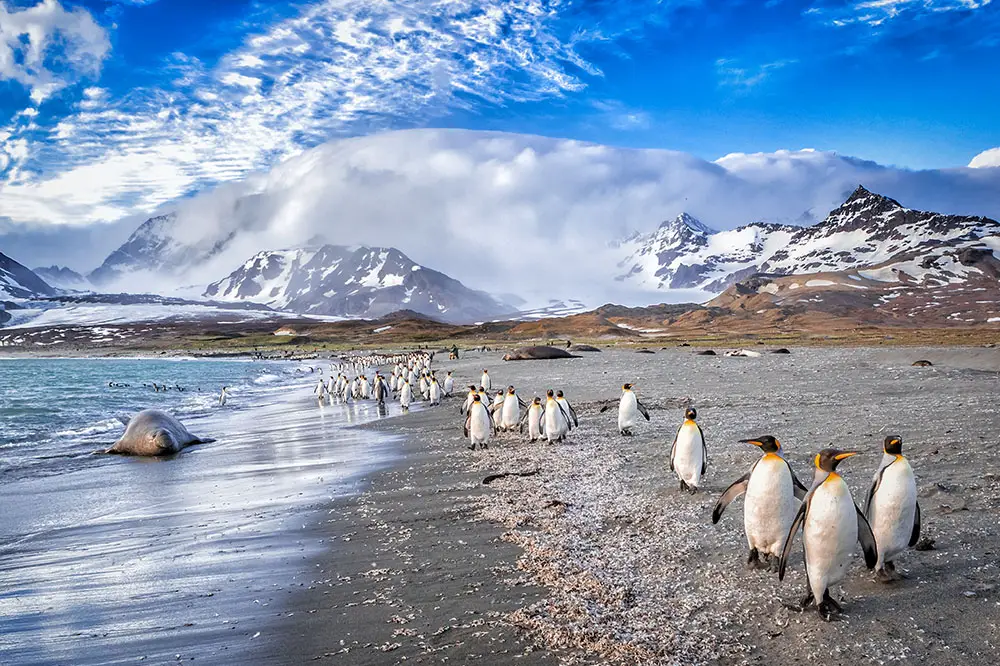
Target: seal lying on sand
[[154, 433], [537, 353], [584, 348]]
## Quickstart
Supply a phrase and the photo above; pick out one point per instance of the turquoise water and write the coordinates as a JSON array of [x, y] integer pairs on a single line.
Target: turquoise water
[[55, 412]]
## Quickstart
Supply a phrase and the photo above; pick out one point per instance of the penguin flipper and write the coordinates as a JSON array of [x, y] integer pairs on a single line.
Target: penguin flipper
[[915, 535], [576, 420], [735, 489], [468, 422], [800, 517], [522, 403], [704, 450], [642, 409], [673, 449], [562, 409], [867, 539], [798, 488]]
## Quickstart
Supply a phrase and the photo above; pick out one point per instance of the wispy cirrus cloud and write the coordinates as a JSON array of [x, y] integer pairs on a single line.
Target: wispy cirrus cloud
[[879, 13], [741, 77], [338, 68], [46, 47]]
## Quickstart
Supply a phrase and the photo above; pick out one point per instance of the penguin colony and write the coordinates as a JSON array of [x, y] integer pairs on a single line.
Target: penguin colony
[[777, 505]]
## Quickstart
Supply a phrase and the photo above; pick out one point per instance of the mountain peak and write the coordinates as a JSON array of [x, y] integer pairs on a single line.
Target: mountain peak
[[685, 221], [861, 193]]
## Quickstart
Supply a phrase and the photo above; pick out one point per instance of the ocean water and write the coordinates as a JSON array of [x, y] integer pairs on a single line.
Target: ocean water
[[117, 559], [55, 412]]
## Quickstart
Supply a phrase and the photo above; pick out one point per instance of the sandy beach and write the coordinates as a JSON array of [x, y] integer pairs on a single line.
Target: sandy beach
[[598, 558], [271, 552]]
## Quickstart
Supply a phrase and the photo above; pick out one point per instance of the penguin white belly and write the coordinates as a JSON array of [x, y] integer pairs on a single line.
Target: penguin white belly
[[829, 536], [688, 455], [511, 410], [555, 424], [404, 396], [449, 386], [435, 393], [485, 382], [893, 510], [535, 423], [769, 506], [479, 426], [628, 409]]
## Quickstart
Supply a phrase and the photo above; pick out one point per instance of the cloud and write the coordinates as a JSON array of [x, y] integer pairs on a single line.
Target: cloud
[[881, 13], [987, 158], [527, 214], [743, 78], [46, 48], [337, 68], [619, 116]]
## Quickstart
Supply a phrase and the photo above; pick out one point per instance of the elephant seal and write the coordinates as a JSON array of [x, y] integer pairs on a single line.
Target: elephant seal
[[154, 433], [781, 350], [922, 364], [584, 348], [538, 353], [707, 352]]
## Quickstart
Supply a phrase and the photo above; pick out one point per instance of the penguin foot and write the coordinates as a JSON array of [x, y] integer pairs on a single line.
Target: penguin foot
[[753, 559], [806, 602], [774, 563], [684, 486], [828, 608], [693, 490]]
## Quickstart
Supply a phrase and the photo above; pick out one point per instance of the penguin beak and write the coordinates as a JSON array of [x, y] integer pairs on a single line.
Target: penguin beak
[[755, 442], [846, 454]]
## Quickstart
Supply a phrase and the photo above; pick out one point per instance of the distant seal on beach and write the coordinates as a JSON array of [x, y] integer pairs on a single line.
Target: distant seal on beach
[[922, 364], [154, 433], [538, 353], [645, 351], [707, 352], [780, 351], [584, 348]]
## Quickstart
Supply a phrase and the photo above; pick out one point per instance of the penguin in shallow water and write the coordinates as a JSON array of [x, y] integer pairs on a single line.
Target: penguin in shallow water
[[629, 409], [892, 508], [772, 495], [689, 454], [533, 419], [831, 525], [479, 424]]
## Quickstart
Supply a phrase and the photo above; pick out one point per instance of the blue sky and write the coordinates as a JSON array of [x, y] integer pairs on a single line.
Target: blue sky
[[110, 108]]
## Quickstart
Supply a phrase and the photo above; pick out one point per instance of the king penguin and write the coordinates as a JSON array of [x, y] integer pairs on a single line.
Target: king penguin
[[533, 418], [556, 420], [629, 409], [479, 424], [772, 496], [831, 525], [689, 454], [892, 509], [449, 385], [511, 411], [485, 381]]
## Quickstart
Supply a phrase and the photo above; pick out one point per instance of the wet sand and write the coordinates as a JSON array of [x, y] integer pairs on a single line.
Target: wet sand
[[598, 558]]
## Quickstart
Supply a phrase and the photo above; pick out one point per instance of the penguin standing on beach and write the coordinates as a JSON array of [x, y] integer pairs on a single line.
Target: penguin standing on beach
[[556, 422], [434, 391], [533, 418], [485, 381], [468, 399], [223, 396], [772, 496], [510, 413], [479, 424], [381, 389], [689, 454], [568, 408], [449, 385], [892, 508], [629, 409], [831, 525], [405, 396]]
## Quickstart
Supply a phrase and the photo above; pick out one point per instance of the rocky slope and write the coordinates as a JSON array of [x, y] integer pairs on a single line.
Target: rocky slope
[[867, 231], [64, 278], [357, 282]]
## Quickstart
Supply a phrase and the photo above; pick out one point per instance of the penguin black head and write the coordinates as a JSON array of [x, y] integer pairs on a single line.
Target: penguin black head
[[767, 443], [559, 394], [510, 390], [537, 401], [482, 389], [626, 387], [894, 445], [828, 459], [476, 398], [549, 393], [691, 413]]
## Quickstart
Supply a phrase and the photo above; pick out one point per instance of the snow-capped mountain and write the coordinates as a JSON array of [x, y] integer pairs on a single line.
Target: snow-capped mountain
[[683, 253], [61, 277], [868, 231], [151, 247], [19, 282], [364, 282]]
